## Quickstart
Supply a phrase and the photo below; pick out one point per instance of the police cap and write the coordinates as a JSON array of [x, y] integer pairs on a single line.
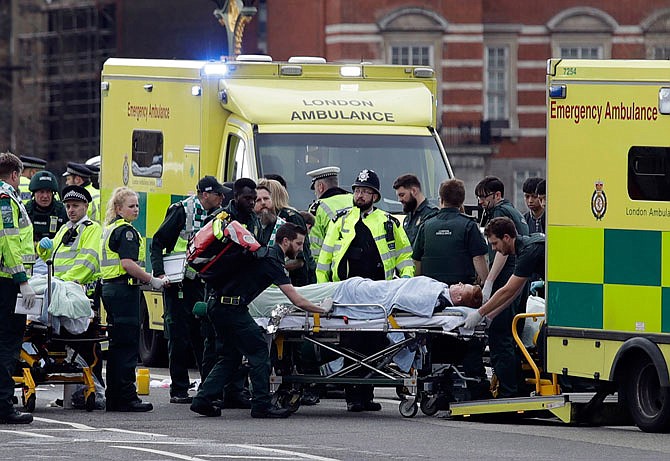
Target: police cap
[[33, 162], [321, 173], [369, 179], [78, 169], [78, 193]]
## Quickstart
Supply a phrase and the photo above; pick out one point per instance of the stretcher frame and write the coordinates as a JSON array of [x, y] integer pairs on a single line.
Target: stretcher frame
[[409, 385]]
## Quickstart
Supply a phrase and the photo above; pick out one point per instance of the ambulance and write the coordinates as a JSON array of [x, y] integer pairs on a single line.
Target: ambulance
[[608, 242], [167, 123]]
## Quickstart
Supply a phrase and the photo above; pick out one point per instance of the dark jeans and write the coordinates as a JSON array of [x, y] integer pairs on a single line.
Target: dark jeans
[[183, 332], [12, 327], [239, 335], [122, 303]]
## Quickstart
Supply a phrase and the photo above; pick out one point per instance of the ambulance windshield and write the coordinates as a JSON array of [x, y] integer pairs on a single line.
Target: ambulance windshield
[[293, 155]]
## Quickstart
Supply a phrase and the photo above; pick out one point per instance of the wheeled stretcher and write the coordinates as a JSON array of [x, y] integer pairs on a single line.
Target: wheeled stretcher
[[420, 356], [51, 357]]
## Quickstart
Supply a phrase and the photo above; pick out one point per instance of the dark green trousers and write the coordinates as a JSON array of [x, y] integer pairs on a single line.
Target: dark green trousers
[[238, 335], [183, 332], [212, 350], [122, 303], [12, 327]]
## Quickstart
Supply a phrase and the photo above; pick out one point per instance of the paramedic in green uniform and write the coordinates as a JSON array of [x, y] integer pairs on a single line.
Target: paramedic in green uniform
[[529, 251], [121, 258], [13, 279], [239, 334], [182, 329]]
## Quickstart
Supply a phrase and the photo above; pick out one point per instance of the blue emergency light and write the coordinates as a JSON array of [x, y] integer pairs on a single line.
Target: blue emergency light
[[557, 91]]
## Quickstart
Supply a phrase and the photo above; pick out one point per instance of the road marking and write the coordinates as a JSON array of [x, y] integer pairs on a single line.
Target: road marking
[[82, 427], [29, 434], [126, 431], [280, 452], [159, 452]]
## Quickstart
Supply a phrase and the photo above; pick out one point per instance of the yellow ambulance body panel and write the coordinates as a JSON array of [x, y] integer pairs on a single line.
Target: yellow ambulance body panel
[[167, 123], [608, 225]]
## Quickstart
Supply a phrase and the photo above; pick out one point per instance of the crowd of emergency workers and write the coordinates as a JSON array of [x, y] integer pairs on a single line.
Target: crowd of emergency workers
[[342, 235]]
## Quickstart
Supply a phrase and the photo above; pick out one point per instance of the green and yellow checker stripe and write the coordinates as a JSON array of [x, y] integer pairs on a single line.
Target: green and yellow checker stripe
[[608, 279]]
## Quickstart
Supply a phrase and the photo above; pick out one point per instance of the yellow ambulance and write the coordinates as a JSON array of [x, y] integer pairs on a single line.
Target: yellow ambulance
[[607, 245], [166, 123]]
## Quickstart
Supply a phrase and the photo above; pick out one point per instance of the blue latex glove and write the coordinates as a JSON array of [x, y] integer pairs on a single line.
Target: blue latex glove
[[46, 243], [534, 286]]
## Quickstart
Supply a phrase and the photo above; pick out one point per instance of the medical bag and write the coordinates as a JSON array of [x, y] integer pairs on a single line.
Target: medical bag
[[216, 260]]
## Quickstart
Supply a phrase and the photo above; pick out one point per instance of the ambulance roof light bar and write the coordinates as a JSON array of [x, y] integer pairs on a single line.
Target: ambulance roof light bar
[[306, 60], [253, 58]]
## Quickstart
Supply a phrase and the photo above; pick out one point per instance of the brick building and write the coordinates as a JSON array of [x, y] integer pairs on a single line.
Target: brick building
[[490, 58]]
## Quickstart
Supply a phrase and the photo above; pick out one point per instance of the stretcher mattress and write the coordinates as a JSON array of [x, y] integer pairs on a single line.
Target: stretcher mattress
[[448, 320]]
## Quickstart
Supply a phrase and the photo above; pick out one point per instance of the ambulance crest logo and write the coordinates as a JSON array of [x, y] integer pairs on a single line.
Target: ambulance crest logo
[[599, 201]]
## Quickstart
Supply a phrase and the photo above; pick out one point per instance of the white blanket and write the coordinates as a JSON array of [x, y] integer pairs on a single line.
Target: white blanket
[[69, 306]]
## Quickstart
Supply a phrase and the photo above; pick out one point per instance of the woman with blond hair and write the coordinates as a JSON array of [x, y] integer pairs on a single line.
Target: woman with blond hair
[[121, 261], [302, 270]]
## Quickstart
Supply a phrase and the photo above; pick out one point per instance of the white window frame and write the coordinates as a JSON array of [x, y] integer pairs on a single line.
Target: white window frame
[[603, 42], [505, 92], [581, 49], [410, 48]]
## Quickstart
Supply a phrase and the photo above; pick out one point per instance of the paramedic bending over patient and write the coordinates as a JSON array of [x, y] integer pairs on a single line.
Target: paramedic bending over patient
[[122, 250], [529, 251]]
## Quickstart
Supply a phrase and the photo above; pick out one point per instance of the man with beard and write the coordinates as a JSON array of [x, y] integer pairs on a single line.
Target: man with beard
[[267, 214], [414, 203], [364, 241], [238, 332]]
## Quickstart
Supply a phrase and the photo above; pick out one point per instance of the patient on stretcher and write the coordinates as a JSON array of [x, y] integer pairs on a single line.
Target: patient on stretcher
[[420, 296]]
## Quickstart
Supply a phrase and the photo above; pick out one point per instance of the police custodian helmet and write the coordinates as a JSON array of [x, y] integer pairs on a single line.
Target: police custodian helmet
[[368, 178], [43, 180]]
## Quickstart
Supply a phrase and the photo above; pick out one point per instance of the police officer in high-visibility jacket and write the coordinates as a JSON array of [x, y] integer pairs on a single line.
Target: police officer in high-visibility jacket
[[31, 165], [331, 199], [74, 251], [182, 220], [365, 242], [78, 174], [121, 260], [13, 279]]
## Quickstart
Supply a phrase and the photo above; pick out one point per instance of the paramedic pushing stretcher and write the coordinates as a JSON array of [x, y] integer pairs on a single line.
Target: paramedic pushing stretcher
[[529, 251], [238, 332]]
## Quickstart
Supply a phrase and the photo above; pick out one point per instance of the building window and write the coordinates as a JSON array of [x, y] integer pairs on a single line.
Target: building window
[[497, 83], [412, 55], [581, 52], [662, 52]]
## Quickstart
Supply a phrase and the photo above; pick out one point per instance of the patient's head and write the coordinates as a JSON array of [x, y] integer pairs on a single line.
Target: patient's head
[[465, 295]]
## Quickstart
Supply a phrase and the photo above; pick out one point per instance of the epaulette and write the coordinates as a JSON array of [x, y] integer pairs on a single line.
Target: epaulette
[[340, 213], [88, 223], [314, 206]]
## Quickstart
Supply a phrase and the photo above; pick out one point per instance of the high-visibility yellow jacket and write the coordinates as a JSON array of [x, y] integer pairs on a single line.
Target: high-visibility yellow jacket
[[324, 211], [14, 220], [394, 247], [110, 261], [79, 261], [94, 206]]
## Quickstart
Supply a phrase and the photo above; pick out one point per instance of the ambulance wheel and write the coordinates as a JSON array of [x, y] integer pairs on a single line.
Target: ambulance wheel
[[648, 402], [408, 408], [90, 402], [29, 405], [429, 405]]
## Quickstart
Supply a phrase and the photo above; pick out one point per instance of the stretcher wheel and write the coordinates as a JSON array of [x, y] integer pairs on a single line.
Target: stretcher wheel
[[429, 405], [408, 408], [29, 405], [90, 402]]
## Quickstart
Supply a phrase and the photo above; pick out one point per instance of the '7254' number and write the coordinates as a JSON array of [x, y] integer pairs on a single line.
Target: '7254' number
[[570, 71]]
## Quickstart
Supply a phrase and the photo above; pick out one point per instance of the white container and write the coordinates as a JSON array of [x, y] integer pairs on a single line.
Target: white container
[[34, 309], [175, 266]]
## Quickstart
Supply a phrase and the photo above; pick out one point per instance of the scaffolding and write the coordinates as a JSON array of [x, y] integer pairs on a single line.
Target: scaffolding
[[58, 51]]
